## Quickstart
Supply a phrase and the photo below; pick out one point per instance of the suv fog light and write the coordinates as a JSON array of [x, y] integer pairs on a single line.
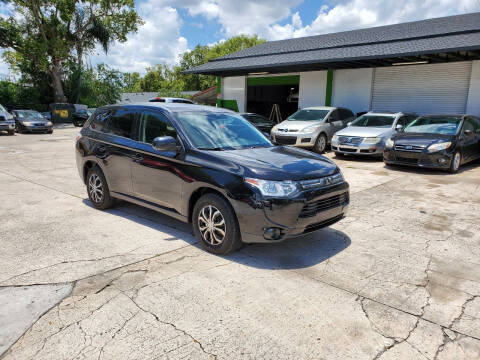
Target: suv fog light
[[272, 234], [442, 160], [306, 140]]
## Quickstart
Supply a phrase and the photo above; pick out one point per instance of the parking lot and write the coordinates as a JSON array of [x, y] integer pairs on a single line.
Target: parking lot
[[399, 278]]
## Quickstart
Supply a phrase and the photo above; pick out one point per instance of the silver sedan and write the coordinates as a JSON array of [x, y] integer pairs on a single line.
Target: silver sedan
[[367, 134]]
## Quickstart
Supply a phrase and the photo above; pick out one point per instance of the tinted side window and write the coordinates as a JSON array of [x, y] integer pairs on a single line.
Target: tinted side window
[[154, 124], [476, 124], [100, 121], [468, 125], [403, 121], [334, 116], [121, 123], [181, 101], [345, 114]]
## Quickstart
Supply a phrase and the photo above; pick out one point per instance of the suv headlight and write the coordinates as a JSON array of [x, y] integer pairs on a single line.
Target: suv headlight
[[335, 138], [439, 146], [311, 128], [27, 123], [49, 123], [273, 188], [371, 140], [389, 143]]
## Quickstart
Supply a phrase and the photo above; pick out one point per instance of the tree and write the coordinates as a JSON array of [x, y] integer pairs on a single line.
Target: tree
[[202, 54], [101, 86], [46, 35]]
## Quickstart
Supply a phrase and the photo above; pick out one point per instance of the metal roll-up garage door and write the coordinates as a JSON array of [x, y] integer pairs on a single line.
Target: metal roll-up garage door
[[424, 89]]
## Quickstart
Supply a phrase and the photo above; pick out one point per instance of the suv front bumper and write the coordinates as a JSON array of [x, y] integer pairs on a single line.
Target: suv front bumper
[[309, 211], [306, 140], [360, 149]]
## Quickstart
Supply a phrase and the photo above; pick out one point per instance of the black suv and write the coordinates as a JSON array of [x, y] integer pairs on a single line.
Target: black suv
[[211, 167]]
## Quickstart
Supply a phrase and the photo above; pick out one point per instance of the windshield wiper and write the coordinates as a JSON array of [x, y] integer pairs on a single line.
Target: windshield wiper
[[211, 148]]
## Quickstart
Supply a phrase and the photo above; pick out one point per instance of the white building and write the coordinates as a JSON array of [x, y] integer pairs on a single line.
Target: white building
[[429, 66]]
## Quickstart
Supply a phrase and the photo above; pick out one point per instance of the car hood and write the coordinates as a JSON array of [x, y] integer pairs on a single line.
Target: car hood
[[421, 139], [363, 131], [277, 163], [297, 125]]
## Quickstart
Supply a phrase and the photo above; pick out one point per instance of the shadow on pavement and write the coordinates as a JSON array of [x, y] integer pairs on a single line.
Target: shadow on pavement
[[301, 252]]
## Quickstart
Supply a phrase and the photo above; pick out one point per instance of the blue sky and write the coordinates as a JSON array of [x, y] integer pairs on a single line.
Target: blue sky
[[175, 26]]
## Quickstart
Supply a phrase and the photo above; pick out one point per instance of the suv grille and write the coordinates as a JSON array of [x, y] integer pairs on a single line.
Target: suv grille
[[350, 140], [409, 148], [2, 118], [313, 208], [321, 182], [285, 140]]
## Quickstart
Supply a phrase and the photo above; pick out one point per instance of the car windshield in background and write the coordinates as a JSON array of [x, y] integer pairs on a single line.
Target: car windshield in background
[[30, 115], [217, 131], [308, 115], [374, 121], [257, 119], [435, 125]]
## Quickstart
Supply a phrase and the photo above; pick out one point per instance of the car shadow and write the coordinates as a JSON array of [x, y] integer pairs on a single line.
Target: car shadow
[[302, 252]]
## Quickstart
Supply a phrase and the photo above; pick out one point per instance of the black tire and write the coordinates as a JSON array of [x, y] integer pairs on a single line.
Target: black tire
[[320, 144], [95, 175], [11, 132], [50, 132], [231, 240], [454, 165]]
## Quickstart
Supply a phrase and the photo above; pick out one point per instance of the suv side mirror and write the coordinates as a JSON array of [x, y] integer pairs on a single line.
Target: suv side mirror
[[349, 124], [399, 128], [165, 143], [468, 132]]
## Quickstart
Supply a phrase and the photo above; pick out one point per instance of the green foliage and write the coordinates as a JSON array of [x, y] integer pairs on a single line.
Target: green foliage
[[169, 80], [45, 35], [100, 86]]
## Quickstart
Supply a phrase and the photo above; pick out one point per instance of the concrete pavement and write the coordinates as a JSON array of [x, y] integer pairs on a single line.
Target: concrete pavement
[[397, 279]]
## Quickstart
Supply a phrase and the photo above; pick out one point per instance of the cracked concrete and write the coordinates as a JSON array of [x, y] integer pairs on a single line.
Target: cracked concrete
[[398, 279]]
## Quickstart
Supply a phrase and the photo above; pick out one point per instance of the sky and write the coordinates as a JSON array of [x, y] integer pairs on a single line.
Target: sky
[[172, 27]]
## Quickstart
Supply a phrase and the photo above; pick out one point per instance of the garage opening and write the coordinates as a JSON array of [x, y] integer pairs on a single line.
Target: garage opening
[[264, 92]]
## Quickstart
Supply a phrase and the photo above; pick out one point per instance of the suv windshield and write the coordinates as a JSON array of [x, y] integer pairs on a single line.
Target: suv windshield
[[30, 114], [374, 121], [446, 125], [220, 131], [309, 115]]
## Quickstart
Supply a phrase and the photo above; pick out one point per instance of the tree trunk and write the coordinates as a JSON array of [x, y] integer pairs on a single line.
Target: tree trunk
[[57, 82], [80, 67]]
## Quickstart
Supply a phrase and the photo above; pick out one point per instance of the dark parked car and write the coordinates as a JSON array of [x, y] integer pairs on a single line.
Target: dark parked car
[[436, 141], [80, 116], [210, 167], [260, 122], [6, 121], [31, 121], [47, 115]]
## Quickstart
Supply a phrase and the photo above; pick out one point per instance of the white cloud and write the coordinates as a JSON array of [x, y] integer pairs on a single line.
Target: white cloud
[[355, 14], [157, 41]]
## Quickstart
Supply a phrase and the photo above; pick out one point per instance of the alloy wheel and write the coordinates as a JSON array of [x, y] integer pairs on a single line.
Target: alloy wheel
[[211, 224], [95, 188], [456, 161], [321, 143]]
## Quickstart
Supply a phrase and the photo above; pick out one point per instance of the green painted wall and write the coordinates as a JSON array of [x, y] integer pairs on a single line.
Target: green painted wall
[[274, 80], [228, 104], [329, 89]]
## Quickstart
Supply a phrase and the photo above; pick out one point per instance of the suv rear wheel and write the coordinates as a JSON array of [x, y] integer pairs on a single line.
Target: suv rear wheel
[[97, 189], [215, 225]]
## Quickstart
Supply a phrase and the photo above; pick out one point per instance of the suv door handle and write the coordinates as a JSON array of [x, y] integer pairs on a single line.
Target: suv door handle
[[137, 157]]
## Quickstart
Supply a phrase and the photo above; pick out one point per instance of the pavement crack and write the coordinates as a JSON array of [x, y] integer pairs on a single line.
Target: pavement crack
[[213, 356], [462, 312]]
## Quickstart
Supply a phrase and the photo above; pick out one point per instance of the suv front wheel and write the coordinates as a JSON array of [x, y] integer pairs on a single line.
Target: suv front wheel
[[97, 189], [215, 225]]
